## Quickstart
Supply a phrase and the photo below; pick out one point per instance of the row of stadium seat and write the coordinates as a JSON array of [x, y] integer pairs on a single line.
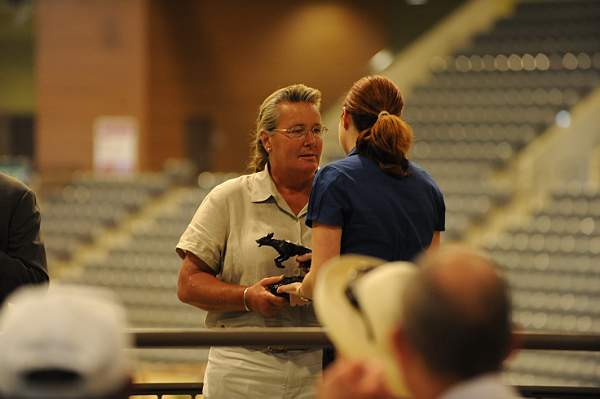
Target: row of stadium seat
[[433, 96], [142, 270], [496, 80], [82, 210], [552, 368]]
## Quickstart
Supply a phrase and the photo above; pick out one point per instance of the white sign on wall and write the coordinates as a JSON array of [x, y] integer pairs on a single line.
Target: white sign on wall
[[115, 144]]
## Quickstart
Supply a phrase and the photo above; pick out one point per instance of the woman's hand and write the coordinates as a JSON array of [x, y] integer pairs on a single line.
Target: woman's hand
[[294, 291], [260, 300], [304, 261]]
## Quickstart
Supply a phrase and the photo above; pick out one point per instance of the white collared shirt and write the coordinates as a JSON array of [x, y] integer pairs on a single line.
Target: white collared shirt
[[223, 233], [488, 386]]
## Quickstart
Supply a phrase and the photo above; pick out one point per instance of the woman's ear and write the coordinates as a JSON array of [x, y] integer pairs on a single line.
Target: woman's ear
[[345, 119], [265, 139]]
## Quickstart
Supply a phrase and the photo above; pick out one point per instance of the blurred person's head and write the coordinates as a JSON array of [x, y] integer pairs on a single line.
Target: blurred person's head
[[371, 122], [64, 342], [456, 320], [288, 131]]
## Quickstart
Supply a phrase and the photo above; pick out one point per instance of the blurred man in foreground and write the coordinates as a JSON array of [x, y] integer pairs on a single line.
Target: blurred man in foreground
[[66, 342], [451, 338]]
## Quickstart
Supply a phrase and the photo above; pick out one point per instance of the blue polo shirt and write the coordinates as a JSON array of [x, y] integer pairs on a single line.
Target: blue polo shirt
[[389, 217]]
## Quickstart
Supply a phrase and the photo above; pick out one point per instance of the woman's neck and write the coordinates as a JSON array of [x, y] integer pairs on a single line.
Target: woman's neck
[[295, 191], [350, 141], [301, 183], [290, 181]]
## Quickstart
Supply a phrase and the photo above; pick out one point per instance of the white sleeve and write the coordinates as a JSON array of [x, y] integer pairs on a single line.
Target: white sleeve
[[206, 235]]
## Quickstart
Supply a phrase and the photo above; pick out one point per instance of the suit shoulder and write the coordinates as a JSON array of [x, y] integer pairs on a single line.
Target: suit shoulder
[[11, 186]]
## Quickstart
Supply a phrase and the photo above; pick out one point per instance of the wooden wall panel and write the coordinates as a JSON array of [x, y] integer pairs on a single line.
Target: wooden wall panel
[[166, 62], [91, 61], [255, 50]]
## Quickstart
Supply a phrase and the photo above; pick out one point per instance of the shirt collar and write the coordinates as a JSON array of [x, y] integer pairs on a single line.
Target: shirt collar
[[263, 187], [354, 151], [488, 385]]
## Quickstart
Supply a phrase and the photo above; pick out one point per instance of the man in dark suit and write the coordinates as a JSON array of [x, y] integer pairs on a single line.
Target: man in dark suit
[[22, 253]]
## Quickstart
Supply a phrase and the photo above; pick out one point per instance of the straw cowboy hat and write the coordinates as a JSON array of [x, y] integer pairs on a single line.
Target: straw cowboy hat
[[358, 301]]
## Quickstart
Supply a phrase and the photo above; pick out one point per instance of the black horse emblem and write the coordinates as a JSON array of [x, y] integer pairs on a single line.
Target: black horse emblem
[[285, 248]]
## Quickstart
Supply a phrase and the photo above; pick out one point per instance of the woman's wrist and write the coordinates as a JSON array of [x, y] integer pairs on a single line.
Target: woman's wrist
[[301, 295]]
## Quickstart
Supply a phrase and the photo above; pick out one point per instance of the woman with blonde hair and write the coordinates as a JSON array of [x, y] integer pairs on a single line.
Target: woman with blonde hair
[[224, 271]]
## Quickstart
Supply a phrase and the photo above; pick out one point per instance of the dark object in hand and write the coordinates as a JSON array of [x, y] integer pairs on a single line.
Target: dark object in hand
[[286, 250], [284, 281]]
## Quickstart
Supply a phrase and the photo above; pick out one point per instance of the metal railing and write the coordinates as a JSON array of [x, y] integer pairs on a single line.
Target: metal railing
[[316, 337]]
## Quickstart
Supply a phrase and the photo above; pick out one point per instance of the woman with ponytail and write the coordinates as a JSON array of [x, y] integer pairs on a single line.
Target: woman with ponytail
[[374, 202]]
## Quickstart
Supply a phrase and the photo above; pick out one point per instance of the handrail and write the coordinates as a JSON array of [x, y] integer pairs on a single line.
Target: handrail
[[166, 388], [569, 342], [558, 392], [314, 336], [195, 388], [291, 337], [243, 336]]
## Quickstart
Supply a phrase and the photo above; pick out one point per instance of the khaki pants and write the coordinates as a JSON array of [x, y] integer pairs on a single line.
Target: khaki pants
[[243, 373]]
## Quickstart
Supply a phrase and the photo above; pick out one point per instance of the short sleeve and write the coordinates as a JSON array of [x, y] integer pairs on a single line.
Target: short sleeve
[[206, 235], [328, 199], [436, 197], [440, 223]]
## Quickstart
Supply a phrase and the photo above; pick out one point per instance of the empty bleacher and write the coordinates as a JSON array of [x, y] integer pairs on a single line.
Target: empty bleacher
[[490, 99], [142, 268], [76, 214], [551, 263], [482, 106]]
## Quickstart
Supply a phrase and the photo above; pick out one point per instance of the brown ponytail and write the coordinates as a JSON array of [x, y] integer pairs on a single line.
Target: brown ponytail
[[375, 103]]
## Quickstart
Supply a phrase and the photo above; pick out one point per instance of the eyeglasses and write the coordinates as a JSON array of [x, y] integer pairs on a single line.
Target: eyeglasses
[[300, 131]]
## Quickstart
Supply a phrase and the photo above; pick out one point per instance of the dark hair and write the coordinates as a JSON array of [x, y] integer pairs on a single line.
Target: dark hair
[[452, 340], [268, 114], [375, 104]]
